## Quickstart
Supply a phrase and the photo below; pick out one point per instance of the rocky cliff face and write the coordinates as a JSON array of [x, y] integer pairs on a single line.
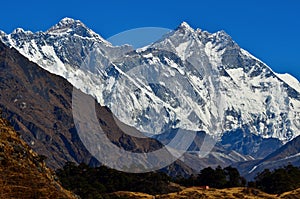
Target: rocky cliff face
[[287, 154], [38, 104]]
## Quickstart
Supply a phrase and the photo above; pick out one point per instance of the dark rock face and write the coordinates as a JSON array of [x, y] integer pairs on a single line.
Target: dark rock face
[[39, 106], [249, 144], [284, 155], [290, 149]]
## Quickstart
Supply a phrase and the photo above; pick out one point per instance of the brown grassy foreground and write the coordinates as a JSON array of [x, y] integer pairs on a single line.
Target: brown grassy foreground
[[295, 194], [23, 173], [199, 193]]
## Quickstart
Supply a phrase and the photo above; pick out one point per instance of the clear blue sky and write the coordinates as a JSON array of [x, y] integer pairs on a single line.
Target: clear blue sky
[[270, 30]]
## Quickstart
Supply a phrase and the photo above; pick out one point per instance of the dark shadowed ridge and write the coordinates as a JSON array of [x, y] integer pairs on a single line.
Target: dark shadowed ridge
[[38, 105]]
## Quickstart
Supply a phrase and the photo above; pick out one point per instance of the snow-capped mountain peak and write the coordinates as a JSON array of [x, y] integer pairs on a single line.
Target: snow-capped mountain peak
[[21, 31], [2, 33], [222, 36], [186, 26], [66, 23], [18, 30], [69, 26]]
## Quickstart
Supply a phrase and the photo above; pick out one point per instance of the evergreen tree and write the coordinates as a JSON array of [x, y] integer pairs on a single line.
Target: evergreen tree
[[233, 177], [278, 181], [220, 178]]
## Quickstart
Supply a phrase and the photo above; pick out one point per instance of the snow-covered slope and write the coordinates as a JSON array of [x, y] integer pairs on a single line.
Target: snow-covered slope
[[254, 96], [62, 49], [290, 80], [190, 79]]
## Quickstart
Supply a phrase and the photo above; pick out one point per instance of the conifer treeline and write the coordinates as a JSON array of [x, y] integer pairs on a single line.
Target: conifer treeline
[[89, 182]]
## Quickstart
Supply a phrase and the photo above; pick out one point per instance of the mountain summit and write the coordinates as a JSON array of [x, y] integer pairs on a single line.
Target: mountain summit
[[72, 27], [186, 26]]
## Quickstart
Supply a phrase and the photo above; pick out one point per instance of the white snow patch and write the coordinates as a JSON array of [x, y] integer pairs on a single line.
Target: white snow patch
[[290, 80], [148, 55], [142, 49], [181, 49], [291, 156], [252, 169]]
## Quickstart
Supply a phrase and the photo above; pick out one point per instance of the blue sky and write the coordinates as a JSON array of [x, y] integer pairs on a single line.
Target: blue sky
[[270, 30]]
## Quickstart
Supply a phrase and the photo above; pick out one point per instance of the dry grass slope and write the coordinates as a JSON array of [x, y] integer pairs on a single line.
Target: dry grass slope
[[234, 193], [23, 173], [199, 193], [295, 194]]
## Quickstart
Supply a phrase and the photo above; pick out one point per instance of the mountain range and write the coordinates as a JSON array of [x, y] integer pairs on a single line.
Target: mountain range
[[189, 80]]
